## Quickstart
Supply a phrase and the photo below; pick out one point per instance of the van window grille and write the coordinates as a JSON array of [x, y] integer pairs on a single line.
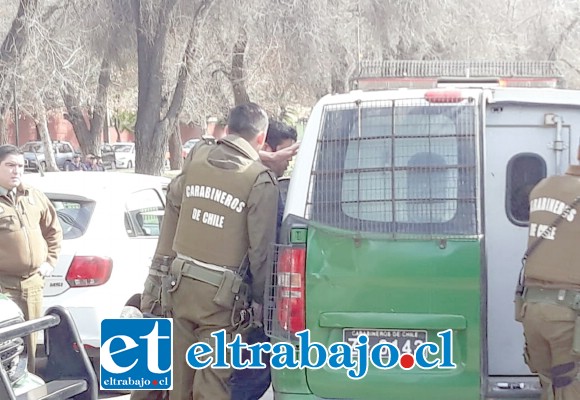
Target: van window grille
[[402, 167], [524, 171]]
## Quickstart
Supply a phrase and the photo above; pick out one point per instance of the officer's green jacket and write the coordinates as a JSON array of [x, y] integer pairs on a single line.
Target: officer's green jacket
[[30, 233], [554, 262], [239, 198]]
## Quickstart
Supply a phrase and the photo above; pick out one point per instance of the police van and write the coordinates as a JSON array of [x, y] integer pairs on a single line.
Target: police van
[[407, 215]]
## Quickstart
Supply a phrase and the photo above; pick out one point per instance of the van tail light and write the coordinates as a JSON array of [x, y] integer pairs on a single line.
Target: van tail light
[[89, 271], [444, 96], [290, 283]]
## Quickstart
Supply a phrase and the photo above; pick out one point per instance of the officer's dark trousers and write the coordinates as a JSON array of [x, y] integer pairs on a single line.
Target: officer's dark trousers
[[27, 294], [251, 384], [195, 318], [549, 331]]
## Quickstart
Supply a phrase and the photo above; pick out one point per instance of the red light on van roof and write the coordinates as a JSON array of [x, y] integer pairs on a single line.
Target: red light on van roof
[[444, 96]]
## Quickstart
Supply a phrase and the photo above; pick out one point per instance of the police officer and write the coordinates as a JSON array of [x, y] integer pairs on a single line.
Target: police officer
[[552, 285], [227, 204], [151, 304], [251, 384], [279, 148], [30, 240]]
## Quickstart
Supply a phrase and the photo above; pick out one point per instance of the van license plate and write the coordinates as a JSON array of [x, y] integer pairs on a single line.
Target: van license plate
[[406, 340]]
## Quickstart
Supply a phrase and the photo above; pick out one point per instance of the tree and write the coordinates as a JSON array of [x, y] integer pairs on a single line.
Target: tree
[[49, 163], [158, 109], [89, 132]]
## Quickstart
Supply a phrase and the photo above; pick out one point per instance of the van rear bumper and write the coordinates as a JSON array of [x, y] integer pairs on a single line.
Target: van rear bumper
[[513, 387], [299, 396]]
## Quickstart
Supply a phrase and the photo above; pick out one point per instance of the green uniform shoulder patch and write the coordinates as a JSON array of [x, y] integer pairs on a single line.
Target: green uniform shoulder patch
[[267, 176]]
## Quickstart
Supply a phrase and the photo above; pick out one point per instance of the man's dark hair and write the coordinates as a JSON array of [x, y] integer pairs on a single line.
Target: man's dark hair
[[278, 132], [9, 150], [247, 120]]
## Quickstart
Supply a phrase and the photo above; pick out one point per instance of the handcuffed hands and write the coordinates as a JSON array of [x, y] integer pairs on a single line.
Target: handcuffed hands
[[45, 269]]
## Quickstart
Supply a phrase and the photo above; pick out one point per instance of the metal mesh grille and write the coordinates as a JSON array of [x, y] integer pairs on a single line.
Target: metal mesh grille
[[407, 168], [466, 68], [284, 291]]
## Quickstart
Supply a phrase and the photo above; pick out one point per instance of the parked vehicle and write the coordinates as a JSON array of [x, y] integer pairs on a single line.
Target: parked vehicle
[[108, 156], [407, 215], [187, 146], [110, 222], [12, 353], [70, 374], [124, 154], [34, 154]]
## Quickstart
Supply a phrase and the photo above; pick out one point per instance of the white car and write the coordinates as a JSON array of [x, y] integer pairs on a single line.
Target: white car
[[124, 154], [111, 223]]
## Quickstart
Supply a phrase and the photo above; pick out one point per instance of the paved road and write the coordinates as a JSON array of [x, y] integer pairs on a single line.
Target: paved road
[[268, 396]]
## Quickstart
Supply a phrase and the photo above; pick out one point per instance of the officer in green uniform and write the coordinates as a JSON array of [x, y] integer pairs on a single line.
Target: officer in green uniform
[[552, 286], [227, 202], [30, 240], [164, 256]]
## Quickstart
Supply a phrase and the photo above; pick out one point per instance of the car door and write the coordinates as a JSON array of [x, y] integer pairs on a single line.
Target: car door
[[64, 152], [143, 214], [108, 155]]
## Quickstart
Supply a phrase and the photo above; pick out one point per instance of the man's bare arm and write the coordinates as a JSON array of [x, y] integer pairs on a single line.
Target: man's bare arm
[[271, 159]]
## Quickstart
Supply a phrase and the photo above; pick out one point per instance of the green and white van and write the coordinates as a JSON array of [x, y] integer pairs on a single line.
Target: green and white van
[[407, 215]]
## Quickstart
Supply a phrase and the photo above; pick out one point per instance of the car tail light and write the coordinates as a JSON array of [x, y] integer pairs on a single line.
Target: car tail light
[[89, 271], [291, 302]]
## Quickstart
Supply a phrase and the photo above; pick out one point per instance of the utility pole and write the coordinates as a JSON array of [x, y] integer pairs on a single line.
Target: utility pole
[[358, 49]]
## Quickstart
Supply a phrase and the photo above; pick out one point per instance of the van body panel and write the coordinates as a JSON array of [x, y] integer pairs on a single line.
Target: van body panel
[[403, 284], [291, 381]]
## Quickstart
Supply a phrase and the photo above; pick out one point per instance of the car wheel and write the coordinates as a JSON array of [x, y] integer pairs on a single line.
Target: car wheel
[[43, 165], [129, 165]]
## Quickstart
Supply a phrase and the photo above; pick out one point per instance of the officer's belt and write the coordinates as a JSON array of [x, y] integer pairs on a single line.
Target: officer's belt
[[208, 273], [158, 269], [563, 297]]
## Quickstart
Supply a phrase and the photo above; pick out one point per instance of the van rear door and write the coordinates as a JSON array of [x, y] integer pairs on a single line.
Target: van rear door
[[393, 243], [521, 149]]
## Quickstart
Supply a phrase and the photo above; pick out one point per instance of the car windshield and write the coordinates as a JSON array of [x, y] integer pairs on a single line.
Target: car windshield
[[33, 147], [123, 148], [74, 216]]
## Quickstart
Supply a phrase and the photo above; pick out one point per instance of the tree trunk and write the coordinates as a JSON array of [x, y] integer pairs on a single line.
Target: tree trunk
[[150, 133], [75, 116], [176, 160], [89, 135], [42, 129], [152, 130], [100, 108], [238, 74], [3, 130]]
